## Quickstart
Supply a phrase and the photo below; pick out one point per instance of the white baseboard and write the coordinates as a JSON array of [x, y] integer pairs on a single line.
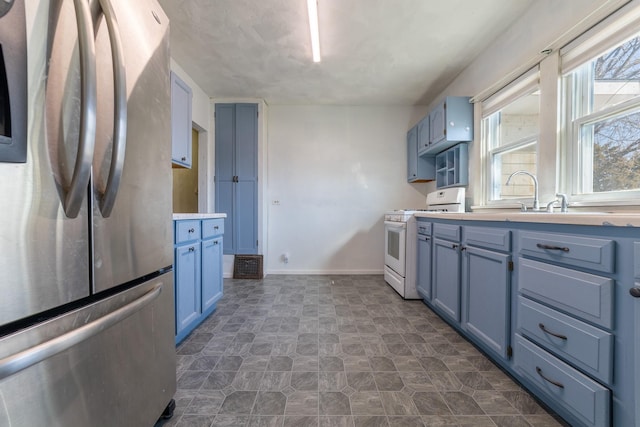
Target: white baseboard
[[326, 272]]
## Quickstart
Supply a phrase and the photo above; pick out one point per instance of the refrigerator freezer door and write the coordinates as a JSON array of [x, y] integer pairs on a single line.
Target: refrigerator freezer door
[[122, 376], [45, 254], [135, 238]]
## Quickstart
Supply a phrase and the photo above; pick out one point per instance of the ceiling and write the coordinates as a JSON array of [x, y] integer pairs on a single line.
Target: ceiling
[[390, 52]]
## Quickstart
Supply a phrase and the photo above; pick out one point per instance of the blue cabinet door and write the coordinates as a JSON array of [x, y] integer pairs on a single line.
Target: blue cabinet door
[[180, 122], [412, 154], [211, 272], [423, 135], [488, 296], [187, 271], [237, 175], [423, 283], [446, 278]]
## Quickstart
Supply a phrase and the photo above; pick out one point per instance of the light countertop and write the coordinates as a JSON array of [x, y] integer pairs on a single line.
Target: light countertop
[[178, 216], [628, 219]]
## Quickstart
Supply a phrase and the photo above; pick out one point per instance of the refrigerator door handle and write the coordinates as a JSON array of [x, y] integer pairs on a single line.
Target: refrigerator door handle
[[13, 364], [82, 169], [108, 198]]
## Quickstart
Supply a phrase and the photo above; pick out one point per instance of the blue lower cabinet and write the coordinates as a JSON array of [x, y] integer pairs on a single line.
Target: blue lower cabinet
[[211, 272], [423, 280], [554, 305], [585, 399], [446, 278], [198, 272], [187, 270], [488, 309]]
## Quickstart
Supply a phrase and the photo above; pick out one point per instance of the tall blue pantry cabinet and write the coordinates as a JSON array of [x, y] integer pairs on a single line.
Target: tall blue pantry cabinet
[[236, 175]]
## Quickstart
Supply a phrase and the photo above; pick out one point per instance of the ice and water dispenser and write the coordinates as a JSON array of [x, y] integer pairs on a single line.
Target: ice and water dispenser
[[13, 82]]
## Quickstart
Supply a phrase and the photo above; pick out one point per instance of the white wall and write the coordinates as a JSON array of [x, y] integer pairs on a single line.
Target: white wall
[[334, 171]]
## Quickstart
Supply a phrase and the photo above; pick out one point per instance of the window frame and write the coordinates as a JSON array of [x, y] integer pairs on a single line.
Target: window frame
[[525, 85], [576, 75]]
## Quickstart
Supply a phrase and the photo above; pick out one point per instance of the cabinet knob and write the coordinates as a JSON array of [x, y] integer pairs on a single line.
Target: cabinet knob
[[192, 249], [215, 227], [184, 159], [635, 291], [215, 242], [191, 230]]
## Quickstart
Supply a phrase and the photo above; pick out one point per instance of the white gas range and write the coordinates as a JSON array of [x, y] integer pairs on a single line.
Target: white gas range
[[400, 239]]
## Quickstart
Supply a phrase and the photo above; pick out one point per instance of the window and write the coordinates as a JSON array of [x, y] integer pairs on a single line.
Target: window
[[601, 122], [510, 129]]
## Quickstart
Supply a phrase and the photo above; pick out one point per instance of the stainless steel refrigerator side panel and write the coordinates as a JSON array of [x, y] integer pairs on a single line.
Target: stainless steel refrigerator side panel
[[123, 376], [136, 238], [45, 255]]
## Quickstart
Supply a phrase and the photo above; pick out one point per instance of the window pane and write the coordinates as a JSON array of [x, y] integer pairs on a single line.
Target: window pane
[[615, 154], [615, 75], [508, 162], [511, 135], [520, 119]]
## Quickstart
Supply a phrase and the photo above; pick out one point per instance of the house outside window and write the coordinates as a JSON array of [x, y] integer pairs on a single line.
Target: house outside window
[[600, 123], [510, 129]]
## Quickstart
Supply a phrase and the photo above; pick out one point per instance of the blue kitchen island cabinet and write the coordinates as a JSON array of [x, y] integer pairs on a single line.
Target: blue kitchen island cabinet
[[197, 270], [556, 305]]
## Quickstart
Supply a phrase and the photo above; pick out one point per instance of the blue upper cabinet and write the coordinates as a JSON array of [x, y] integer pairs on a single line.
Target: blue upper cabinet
[[452, 166], [450, 122], [180, 122], [419, 169], [423, 135]]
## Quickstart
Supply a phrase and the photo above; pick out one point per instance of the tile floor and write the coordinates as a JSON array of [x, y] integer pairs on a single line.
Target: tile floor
[[338, 351]]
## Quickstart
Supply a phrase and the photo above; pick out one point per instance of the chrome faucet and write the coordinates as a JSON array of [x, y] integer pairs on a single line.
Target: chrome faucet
[[536, 202], [564, 204]]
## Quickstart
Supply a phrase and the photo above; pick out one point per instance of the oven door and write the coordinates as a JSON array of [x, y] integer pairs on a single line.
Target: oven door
[[395, 235]]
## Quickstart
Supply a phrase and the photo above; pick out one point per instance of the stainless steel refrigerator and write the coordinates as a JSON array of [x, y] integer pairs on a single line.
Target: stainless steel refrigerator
[[86, 284]]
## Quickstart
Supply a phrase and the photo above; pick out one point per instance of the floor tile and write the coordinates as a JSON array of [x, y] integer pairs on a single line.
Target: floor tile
[[238, 402], [302, 403], [398, 403], [334, 403], [269, 403]]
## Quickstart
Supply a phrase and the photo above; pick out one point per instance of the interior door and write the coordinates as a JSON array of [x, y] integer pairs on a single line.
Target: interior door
[[134, 238]]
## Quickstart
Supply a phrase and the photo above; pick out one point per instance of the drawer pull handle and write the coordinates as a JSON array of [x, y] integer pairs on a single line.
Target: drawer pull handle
[[191, 230], [546, 331], [552, 248], [555, 383], [215, 227]]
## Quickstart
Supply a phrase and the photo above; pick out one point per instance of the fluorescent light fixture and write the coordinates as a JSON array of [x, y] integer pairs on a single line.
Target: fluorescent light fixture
[[312, 5]]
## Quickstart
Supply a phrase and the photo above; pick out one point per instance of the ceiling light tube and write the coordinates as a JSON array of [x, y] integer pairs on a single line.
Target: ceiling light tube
[[312, 5]]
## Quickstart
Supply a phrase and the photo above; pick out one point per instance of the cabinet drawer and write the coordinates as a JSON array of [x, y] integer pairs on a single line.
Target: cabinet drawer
[[584, 346], [187, 230], [447, 231], [212, 227], [424, 228], [585, 399], [490, 238], [594, 254], [586, 296]]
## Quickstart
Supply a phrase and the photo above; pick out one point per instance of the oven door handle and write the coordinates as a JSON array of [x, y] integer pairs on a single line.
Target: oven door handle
[[395, 225]]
